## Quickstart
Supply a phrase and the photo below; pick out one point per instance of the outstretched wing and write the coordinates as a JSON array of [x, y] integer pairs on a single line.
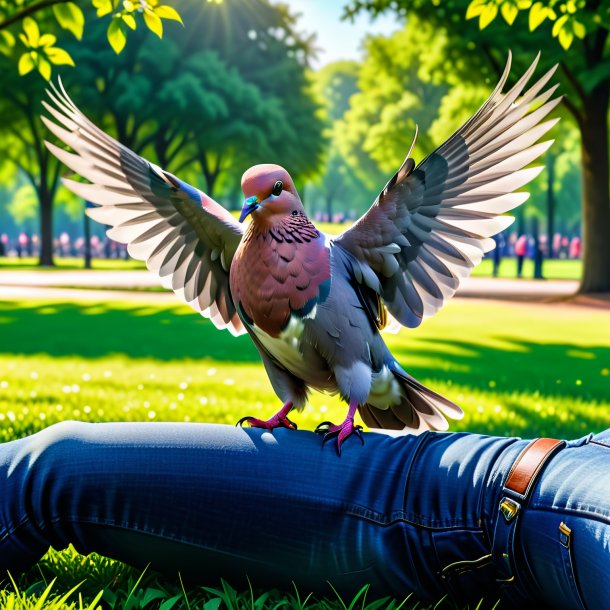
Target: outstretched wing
[[184, 236], [432, 223]]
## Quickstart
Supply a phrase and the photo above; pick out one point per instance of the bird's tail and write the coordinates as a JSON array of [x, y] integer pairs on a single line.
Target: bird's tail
[[419, 409]]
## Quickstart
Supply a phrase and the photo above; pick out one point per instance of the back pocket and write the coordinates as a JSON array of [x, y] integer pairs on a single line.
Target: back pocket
[[465, 563]]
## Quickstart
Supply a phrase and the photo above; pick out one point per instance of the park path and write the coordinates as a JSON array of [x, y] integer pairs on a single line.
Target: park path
[[124, 285]]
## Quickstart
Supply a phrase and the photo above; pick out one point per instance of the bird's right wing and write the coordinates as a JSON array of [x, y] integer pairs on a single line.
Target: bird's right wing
[[433, 222], [185, 237]]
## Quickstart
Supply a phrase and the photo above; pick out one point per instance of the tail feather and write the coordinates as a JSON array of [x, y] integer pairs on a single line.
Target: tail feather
[[420, 408]]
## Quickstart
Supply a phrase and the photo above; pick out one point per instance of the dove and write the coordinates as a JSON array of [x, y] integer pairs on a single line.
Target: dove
[[315, 305]]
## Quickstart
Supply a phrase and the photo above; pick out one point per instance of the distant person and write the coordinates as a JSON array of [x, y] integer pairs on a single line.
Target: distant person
[[556, 247], [498, 251], [575, 245], [520, 253]]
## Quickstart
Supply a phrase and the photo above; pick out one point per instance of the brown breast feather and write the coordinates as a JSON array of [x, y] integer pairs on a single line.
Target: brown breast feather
[[278, 271]]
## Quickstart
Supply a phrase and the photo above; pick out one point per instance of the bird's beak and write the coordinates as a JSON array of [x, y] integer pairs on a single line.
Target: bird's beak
[[250, 204]]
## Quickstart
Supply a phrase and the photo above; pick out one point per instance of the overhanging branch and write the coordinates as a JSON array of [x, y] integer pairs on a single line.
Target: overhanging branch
[[29, 10]]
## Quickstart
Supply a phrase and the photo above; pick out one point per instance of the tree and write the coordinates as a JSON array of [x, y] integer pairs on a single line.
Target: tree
[[584, 73], [181, 102], [338, 187], [40, 52], [398, 90]]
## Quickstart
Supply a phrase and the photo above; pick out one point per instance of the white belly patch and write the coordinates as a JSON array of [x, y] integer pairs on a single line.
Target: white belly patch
[[285, 348], [385, 390]]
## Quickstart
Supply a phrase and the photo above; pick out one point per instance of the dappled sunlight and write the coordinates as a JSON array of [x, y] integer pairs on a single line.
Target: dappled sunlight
[[136, 331]]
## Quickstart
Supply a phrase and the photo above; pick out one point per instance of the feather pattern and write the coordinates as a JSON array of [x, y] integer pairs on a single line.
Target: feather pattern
[[279, 272], [184, 236], [449, 206]]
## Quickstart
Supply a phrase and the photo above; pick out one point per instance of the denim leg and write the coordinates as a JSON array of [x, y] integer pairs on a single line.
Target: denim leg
[[210, 500], [565, 530]]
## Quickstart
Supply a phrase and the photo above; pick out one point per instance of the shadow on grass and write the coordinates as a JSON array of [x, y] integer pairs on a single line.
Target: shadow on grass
[[96, 330], [514, 365], [503, 364]]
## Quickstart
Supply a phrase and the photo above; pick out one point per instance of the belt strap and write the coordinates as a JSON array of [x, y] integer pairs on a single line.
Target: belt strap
[[527, 466], [518, 485]]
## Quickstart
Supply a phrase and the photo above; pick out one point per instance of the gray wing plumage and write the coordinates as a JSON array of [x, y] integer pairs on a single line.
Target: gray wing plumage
[[185, 237], [432, 223]]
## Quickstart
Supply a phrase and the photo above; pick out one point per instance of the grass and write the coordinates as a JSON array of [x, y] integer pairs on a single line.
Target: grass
[[528, 370]]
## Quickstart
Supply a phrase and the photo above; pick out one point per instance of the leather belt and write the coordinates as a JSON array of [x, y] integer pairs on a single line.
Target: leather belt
[[518, 485]]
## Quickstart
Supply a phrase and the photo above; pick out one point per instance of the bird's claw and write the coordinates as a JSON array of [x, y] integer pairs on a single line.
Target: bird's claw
[[275, 422], [340, 432]]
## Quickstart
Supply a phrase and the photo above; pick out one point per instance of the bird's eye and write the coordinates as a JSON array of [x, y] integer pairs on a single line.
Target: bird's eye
[[295, 212], [277, 188]]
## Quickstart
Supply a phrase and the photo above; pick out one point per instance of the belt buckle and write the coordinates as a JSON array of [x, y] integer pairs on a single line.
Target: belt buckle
[[509, 509]]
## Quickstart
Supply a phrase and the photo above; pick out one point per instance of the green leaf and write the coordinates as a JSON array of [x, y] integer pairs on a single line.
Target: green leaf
[[565, 38], [129, 20], [538, 13], [70, 17], [579, 29], [116, 35], [103, 7], [30, 27], [488, 15], [168, 604], [153, 22], [47, 40], [9, 39], [559, 25], [509, 12], [44, 67], [59, 56], [26, 63], [167, 12], [475, 8]]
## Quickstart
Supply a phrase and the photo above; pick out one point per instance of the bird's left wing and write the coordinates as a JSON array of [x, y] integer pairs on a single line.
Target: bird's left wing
[[184, 236], [432, 223]]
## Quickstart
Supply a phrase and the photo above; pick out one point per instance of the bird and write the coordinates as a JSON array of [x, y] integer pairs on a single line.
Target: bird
[[315, 305]]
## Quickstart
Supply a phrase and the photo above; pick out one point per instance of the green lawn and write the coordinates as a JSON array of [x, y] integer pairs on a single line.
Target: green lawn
[[528, 370], [29, 263]]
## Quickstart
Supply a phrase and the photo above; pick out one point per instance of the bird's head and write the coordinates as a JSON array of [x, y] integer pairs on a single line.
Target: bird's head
[[270, 195]]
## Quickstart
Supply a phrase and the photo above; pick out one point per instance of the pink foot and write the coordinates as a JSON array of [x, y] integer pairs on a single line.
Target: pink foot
[[341, 431], [279, 420]]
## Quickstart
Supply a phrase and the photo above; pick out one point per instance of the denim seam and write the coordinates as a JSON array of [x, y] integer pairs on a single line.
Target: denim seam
[[10, 531], [605, 519], [372, 517]]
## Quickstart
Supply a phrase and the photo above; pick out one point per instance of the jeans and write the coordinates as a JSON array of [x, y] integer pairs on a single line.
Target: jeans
[[411, 513]]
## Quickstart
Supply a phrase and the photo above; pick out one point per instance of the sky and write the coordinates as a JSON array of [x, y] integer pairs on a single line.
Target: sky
[[338, 39]]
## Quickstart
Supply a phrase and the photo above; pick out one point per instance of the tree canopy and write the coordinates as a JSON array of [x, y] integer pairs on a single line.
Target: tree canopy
[[584, 75], [207, 112]]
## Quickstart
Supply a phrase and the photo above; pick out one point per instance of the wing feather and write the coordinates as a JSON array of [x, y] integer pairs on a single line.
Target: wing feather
[[432, 223], [184, 236]]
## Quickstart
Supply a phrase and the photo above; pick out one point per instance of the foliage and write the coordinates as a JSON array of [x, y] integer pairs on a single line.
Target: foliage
[[196, 103], [338, 187], [569, 18], [584, 75], [39, 51]]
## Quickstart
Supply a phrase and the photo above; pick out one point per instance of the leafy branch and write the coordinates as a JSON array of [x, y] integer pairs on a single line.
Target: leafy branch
[[568, 17], [34, 50]]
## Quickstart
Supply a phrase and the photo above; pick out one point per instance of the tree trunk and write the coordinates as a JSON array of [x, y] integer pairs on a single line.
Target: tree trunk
[[46, 228], [596, 193], [550, 205], [87, 240]]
